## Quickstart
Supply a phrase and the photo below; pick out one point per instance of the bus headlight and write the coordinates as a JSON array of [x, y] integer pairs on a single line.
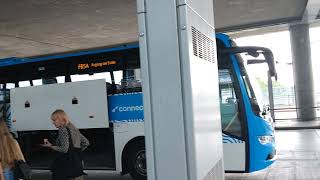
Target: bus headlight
[[266, 139]]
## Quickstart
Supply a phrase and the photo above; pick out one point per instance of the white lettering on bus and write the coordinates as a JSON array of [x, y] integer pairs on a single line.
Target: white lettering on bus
[[127, 108]]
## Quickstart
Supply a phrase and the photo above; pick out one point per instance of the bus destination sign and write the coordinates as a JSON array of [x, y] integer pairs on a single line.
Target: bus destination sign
[[96, 65]]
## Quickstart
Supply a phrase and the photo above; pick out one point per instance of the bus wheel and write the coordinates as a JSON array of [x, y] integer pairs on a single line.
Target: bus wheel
[[138, 163]]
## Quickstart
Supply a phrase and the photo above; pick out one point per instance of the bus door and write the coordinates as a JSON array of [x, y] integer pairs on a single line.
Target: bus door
[[232, 121]]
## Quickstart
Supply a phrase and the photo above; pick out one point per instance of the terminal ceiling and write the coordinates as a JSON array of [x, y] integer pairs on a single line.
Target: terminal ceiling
[[36, 27]]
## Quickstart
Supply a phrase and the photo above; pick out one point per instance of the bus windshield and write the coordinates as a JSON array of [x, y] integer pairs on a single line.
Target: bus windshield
[[254, 55], [252, 87], [261, 97]]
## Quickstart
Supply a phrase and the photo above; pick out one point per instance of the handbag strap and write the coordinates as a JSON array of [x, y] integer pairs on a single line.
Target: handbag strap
[[70, 139]]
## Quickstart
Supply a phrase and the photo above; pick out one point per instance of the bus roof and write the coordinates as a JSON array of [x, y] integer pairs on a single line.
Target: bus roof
[[84, 62]]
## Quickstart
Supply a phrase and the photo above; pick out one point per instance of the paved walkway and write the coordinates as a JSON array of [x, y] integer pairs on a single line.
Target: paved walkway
[[298, 159], [93, 175], [295, 124]]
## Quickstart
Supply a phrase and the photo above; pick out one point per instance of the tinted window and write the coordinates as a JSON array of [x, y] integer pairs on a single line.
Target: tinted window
[[229, 104]]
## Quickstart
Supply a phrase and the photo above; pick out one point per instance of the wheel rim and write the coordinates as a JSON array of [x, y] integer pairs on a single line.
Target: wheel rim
[[140, 163]]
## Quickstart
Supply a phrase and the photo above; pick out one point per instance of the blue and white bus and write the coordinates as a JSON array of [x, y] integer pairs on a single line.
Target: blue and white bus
[[101, 91], [247, 127]]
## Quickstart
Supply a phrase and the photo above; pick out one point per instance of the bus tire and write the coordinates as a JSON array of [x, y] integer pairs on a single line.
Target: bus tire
[[137, 162]]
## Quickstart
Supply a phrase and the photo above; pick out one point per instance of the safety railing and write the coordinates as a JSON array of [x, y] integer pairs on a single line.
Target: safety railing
[[290, 113]]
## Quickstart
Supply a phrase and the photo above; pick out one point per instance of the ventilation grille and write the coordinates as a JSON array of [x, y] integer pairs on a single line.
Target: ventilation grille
[[203, 47]]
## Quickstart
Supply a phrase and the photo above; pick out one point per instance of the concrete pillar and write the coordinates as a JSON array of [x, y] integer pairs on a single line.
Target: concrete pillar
[[302, 71]]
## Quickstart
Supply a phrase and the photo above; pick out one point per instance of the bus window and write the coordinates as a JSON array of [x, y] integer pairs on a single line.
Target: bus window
[[37, 82], [131, 81], [103, 75], [50, 80], [60, 79], [229, 104], [256, 104], [82, 77], [24, 83], [10, 85]]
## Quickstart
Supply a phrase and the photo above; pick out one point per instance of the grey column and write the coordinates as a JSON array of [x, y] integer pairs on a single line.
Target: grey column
[[181, 111], [302, 71]]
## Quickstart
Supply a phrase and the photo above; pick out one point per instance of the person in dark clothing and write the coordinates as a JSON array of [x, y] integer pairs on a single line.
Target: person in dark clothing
[[61, 121]]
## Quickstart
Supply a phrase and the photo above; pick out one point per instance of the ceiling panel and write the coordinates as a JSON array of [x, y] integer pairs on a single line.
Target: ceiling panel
[[235, 14], [33, 27]]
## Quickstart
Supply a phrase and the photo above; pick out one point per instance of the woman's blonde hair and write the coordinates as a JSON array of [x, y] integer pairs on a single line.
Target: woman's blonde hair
[[9, 151], [61, 114]]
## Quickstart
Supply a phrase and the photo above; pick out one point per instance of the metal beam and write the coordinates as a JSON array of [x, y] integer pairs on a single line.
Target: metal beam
[[269, 29], [261, 24], [258, 31], [311, 11]]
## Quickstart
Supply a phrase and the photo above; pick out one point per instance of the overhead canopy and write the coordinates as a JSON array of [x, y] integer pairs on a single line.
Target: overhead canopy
[[33, 27]]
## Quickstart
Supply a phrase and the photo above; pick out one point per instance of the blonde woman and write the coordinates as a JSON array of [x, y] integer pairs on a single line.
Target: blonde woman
[[66, 129], [9, 152], [1, 172]]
